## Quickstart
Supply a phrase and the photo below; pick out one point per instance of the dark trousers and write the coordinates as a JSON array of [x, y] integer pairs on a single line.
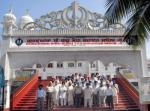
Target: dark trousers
[[49, 100], [77, 100], [40, 103], [109, 101], [95, 100], [82, 100]]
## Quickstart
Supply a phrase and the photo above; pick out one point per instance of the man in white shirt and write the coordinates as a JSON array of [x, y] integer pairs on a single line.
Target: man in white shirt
[[102, 94], [76, 77], [40, 98], [115, 92], [56, 93], [83, 86], [95, 94], [77, 95], [109, 96], [70, 93], [88, 93], [63, 94], [50, 93], [91, 84]]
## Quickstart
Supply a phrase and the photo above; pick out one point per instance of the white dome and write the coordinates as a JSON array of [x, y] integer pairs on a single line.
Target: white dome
[[25, 20], [9, 16]]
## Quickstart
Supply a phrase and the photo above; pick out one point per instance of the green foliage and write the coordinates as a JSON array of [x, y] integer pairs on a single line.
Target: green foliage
[[138, 12]]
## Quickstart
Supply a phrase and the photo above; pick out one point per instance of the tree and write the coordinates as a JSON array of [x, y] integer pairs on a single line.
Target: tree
[[137, 13]]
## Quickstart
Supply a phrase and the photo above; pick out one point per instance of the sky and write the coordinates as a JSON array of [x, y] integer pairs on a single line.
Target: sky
[[41, 7]]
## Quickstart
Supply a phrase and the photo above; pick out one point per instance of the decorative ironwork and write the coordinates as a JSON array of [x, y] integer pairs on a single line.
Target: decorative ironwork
[[72, 17]]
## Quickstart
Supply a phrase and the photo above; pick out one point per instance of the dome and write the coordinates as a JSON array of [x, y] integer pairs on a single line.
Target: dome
[[9, 16], [25, 20]]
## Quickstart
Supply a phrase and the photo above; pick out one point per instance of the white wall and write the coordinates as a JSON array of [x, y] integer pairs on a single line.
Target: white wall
[[27, 59], [66, 70]]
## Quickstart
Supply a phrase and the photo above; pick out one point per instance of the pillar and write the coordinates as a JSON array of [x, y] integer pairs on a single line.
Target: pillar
[[8, 83]]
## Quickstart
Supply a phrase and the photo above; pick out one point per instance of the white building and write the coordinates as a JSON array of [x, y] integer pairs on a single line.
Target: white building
[[65, 42]]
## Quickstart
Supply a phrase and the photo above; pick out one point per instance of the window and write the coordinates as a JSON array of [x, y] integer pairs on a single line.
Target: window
[[79, 64], [50, 65], [60, 65], [71, 65], [38, 66], [93, 65]]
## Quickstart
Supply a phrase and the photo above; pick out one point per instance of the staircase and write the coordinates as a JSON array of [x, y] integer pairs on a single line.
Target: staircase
[[125, 102], [27, 102]]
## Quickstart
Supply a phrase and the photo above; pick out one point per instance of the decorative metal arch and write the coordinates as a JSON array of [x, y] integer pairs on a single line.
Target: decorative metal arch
[[72, 17]]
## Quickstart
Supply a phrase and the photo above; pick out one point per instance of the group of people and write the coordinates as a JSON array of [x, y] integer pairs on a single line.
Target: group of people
[[79, 90]]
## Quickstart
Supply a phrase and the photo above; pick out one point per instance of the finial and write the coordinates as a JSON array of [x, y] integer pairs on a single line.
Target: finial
[[10, 8], [75, 7], [74, 0], [27, 12]]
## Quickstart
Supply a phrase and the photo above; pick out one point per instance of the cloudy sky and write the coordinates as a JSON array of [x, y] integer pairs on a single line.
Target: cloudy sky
[[41, 7]]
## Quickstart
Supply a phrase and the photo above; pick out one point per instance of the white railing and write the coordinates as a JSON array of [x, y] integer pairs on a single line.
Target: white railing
[[68, 33]]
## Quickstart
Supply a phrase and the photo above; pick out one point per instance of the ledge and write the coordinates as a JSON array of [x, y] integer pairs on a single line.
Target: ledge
[[48, 49], [35, 33]]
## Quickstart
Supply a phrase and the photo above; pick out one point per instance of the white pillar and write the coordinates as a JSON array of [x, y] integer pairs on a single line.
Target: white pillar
[[7, 94], [6, 68], [89, 67], [144, 62], [65, 65], [54, 64], [143, 58], [7, 78], [99, 66]]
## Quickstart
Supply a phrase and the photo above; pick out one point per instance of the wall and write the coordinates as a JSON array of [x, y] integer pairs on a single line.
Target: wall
[[125, 58], [66, 70]]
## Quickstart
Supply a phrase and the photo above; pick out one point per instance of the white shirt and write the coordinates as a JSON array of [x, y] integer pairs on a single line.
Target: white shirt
[[70, 92], [102, 91], [111, 83], [56, 88], [50, 89], [76, 77], [95, 88], [109, 91], [91, 86], [115, 89], [92, 81], [95, 79], [104, 83], [88, 93], [56, 92], [83, 86], [57, 81], [116, 86], [63, 91]]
